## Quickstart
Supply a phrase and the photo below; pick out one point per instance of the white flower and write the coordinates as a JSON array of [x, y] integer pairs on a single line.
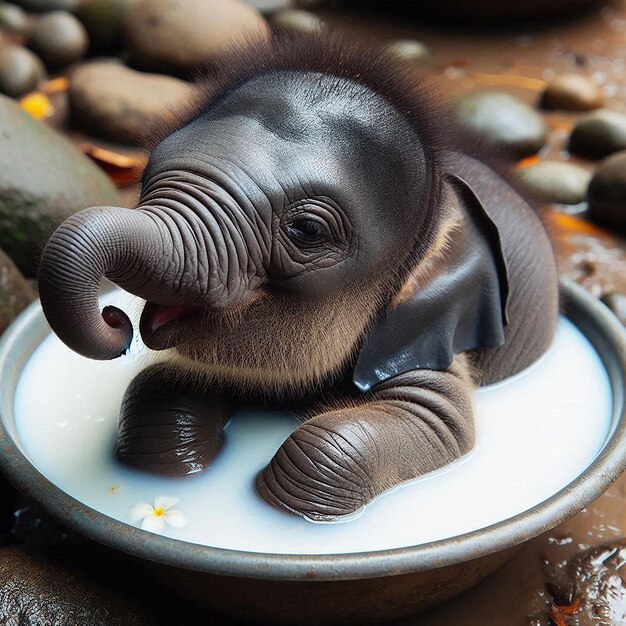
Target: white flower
[[154, 518]]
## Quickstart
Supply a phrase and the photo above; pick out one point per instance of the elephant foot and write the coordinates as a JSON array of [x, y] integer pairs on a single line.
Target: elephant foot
[[322, 471], [339, 461], [167, 428]]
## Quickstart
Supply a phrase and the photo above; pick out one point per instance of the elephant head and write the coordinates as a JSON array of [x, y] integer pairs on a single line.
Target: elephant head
[[276, 220]]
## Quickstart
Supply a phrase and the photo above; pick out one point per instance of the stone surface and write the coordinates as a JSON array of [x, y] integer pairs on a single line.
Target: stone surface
[[43, 180], [617, 303], [13, 19], [572, 92], [41, 6], [20, 71], [15, 293], [502, 122], [607, 192], [599, 134], [65, 588], [112, 100], [104, 21], [556, 181], [296, 22], [59, 39], [409, 50], [181, 36], [267, 7]]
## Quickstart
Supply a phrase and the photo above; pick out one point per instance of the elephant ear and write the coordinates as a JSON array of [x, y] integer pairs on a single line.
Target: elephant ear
[[459, 305]]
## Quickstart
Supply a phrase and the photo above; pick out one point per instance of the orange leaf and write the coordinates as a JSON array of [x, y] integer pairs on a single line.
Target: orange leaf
[[510, 80], [572, 224], [56, 85], [557, 617], [528, 162], [560, 613], [123, 169], [38, 105]]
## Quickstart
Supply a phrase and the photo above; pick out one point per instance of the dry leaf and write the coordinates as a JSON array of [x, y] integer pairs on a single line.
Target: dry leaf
[[122, 169], [56, 85], [570, 224], [528, 162], [38, 105], [510, 80]]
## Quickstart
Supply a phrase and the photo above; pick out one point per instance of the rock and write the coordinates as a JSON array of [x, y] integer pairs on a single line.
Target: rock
[[43, 180], [555, 181], [409, 50], [617, 303], [20, 71], [502, 122], [59, 39], [607, 192], [572, 92], [104, 21], [41, 586], [267, 7], [118, 103], [15, 293], [41, 6], [599, 134], [296, 22], [181, 36], [13, 19]]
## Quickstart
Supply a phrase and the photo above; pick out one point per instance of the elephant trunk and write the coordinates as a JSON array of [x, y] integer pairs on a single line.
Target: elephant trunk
[[153, 253]]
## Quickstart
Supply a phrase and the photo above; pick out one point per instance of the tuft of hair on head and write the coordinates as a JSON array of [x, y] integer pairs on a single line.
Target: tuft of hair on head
[[409, 91]]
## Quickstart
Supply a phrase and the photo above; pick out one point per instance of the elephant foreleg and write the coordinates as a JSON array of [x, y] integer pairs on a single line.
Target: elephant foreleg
[[338, 461], [167, 426]]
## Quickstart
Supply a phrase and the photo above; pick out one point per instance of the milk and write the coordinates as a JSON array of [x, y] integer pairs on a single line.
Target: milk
[[535, 433]]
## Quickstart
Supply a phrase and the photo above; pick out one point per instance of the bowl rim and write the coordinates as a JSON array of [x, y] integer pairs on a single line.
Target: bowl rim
[[603, 471]]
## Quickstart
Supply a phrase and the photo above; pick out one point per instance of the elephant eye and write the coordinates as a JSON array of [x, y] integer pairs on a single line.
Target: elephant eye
[[306, 231]]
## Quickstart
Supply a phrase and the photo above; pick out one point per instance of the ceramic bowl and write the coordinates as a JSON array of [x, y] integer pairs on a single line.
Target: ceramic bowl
[[358, 588]]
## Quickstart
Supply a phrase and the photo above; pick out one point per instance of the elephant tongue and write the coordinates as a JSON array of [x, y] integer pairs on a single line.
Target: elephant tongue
[[161, 315]]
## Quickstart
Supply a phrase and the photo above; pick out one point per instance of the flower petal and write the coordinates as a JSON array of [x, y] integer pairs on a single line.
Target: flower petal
[[165, 503], [153, 524], [175, 518], [141, 511]]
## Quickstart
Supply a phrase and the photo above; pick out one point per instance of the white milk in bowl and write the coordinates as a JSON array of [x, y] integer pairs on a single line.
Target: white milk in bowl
[[535, 433]]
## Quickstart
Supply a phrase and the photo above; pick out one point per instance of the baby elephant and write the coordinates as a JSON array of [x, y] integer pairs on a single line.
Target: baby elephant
[[306, 237]]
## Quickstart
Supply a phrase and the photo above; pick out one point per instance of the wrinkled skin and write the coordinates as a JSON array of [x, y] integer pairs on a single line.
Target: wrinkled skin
[[270, 233]]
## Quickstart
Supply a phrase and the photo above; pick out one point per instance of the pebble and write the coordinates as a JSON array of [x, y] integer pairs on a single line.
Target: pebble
[[267, 7], [296, 22], [44, 179], [408, 50], [556, 181], [180, 36], [502, 122], [59, 39], [572, 92], [104, 22], [15, 293], [599, 134], [42, 6], [607, 192], [122, 104], [13, 19], [617, 303], [20, 71]]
